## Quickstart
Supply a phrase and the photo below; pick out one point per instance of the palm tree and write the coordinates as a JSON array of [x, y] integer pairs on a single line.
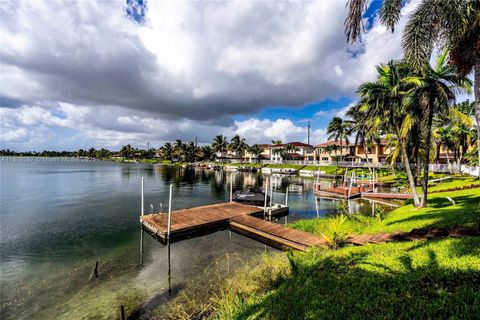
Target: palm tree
[[220, 144], [453, 24], [238, 145], [255, 151], [339, 130], [365, 128], [274, 142], [207, 153], [385, 100], [178, 149], [167, 151], [434, 93]]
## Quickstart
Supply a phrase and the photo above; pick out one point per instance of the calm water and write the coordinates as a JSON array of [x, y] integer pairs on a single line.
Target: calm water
[[58, 218]]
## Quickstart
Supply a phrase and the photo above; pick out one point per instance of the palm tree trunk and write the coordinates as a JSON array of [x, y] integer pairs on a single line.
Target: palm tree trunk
[[406, 162], [477, 107], [426, 160]]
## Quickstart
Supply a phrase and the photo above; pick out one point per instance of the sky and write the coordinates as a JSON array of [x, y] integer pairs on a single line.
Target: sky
[[81, 74]]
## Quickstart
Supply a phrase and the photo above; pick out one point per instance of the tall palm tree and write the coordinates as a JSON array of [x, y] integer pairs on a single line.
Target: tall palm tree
[[167, 151], [178, 149], [339, 130], [220, 144], [255, 150], [365, 128], [385, 99], [434, 93], [453, 24], [238, 145]]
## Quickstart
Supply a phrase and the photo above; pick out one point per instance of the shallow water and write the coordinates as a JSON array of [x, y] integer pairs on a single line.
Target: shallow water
[[58, 217]]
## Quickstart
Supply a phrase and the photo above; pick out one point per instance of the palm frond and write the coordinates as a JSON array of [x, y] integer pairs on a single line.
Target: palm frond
[[354, 22], [390, 13]]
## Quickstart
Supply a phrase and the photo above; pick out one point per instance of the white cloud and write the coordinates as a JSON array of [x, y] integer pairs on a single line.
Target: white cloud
[[84, 66], [14, 135]]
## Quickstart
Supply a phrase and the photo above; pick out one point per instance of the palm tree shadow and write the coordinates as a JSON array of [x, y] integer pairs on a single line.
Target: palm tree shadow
[[348, 287]]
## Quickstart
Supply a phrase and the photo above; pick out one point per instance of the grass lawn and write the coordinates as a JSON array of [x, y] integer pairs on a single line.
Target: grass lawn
[[326, 169], [409, 280], [437, 279], [286, 166], [440, 212], [253, 165]]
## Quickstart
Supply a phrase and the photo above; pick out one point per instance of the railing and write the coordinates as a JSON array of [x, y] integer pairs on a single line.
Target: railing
[[450, 168]]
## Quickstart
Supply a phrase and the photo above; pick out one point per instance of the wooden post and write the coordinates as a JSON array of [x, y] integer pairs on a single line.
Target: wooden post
[[231, 187], [95, 270], [286, 197], [142, 201], [271, 194], [169, 212], [265, 200], [122, 312]]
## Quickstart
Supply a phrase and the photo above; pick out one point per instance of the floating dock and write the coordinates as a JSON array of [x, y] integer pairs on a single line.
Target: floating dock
[[274, 234], [385, 195], [244, 219]]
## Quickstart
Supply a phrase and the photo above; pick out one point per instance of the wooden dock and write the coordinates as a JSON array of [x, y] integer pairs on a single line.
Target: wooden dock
[[274, 234], [244, 219], [384, 195], [196, 221]]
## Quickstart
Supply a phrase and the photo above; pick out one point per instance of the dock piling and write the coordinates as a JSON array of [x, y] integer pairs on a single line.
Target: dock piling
[[271, 194], [122, 312], [169, 212], [265, 200], [231, 187], [142, 201], [286, 197]]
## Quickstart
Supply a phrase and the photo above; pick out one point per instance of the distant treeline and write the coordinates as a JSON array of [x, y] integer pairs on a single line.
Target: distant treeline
[[126, 152]]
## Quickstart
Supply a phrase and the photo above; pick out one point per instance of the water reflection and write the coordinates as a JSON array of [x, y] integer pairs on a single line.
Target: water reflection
[[54, 226]]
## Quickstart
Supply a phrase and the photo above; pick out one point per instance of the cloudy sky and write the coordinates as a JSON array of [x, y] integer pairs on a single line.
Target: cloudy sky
[[76, 74]]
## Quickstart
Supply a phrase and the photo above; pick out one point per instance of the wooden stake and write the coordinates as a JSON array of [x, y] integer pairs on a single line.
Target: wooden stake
[[122, 312], [95, 271]]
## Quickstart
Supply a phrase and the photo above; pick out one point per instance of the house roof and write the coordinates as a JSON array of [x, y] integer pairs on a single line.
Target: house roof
[[293, 143], [330, 143], [383, 142]]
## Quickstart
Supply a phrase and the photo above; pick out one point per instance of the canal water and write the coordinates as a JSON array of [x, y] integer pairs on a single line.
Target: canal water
[[58, 218]]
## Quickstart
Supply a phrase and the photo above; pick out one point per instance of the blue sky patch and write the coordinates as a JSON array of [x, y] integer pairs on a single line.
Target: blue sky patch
[[136, 10]]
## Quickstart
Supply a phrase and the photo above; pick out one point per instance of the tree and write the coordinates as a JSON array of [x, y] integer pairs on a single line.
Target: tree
[[220, 144], [339, 131], [452, 24], [167, 151], [365, 128], [385, 102], [238, 145], [255, 151], [179, 150], [434, 94], [274, 142]]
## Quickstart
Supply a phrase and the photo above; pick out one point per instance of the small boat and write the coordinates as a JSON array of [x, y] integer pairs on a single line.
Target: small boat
[[254, 197]]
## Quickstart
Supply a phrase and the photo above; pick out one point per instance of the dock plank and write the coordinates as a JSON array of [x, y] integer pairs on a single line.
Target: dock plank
[[186, 220], [275, 234]]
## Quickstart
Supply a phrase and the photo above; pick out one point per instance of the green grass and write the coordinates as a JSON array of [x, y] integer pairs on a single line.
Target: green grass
[[409, 280], [440, 212], [286, 166], [402, 280], [326, 169], [253, 165]]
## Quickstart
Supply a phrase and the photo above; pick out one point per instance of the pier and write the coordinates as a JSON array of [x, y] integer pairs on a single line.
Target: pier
[[241, 218]]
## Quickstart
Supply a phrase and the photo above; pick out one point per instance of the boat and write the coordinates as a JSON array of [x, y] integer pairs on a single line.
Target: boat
[[254, 197]]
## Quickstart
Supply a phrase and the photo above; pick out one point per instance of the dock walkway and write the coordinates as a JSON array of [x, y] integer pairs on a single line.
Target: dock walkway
[[194, 222], [274, 234]]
